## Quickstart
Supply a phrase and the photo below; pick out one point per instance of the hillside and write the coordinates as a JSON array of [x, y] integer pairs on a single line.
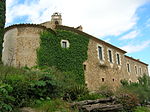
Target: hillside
[[50, 90]]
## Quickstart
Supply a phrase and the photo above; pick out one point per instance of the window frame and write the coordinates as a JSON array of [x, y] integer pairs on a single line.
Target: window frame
[[110, 55], [102, 53], [128, 67], [67, 44], [118, 61]]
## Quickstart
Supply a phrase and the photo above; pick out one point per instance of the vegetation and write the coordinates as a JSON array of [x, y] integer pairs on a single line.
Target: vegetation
[[2, 22], [69, 59], [39, 86], [48, 89]]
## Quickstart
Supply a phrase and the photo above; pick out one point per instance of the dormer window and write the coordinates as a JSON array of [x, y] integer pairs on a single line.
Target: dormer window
[[64, 43]]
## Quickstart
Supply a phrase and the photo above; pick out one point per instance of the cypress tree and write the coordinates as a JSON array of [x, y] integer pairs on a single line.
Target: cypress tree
[[2, 23]]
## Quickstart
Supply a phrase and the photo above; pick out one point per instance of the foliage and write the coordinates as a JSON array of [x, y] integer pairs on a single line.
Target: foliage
[[53, 106], [74, 92], [142, 109], [128, 99], [92, 96], [69, 59], [141, 88], [2, 22], [5, 98], [105, 90]]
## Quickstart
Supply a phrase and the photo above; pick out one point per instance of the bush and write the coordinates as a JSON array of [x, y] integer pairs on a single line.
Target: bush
[[92, 96], [53, 106], [5, 99], [141, 89], [128, 100], [106, 91], [74, 92]]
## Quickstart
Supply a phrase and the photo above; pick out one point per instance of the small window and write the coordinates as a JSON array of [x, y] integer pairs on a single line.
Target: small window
[[110, 55], [56, 22], [100, 54], [135, 69], [64, 43], [118, 59], [103, 80], [128, 67], [140, 70], [84, 67]]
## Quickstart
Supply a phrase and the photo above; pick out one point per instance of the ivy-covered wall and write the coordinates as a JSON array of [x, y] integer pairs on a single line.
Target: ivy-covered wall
[[69, 59]]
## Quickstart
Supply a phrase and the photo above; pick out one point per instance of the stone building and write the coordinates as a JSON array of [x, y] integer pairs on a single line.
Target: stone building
[[105, 64]]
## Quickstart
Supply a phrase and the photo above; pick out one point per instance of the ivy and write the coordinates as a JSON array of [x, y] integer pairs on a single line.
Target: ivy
[[69, 59]]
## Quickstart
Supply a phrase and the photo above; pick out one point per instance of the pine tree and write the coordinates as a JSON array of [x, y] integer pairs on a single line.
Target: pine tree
[[2, 23]]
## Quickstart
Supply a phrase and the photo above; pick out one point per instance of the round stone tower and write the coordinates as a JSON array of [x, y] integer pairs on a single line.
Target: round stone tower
[[56, 19]]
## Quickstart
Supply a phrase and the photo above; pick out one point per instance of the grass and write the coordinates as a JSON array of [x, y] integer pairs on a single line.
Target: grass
[[142, 109], [53, 106]]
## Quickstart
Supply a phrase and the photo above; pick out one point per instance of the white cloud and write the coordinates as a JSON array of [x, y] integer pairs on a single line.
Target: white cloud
[[130, 35], [98, 17], [136, 48]]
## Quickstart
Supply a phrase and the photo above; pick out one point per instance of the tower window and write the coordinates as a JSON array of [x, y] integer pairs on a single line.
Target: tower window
[[110, 56], [64, 43], [56, 22]]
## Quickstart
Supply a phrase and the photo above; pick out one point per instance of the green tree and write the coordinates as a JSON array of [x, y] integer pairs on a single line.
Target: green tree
[[2, 23]]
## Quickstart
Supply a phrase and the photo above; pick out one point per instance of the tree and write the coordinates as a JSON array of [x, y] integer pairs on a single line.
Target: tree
[[2, 23]]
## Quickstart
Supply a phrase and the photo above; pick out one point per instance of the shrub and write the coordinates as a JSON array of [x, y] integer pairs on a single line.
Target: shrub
[[5, 99], [74, 92], [141, 89], [53, 106], [20, 89], [92, 96], [106, 91]]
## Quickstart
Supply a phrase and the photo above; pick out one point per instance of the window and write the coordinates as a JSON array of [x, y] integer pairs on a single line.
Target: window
[[135, 69], [84, 66], [140, 70], [64, 43], [118, 59], [110, 55], [100, 55], [113, 80], [128, 67], [102, 79]]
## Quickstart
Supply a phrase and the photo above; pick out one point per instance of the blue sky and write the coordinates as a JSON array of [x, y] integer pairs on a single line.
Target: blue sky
[[123, 23]]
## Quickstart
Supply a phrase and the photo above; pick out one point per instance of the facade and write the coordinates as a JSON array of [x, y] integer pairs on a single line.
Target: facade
[[105, 64]]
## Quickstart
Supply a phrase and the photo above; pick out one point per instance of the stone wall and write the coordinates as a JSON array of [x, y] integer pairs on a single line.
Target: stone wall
[[20, 45], [98, 73], [135, 66]]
